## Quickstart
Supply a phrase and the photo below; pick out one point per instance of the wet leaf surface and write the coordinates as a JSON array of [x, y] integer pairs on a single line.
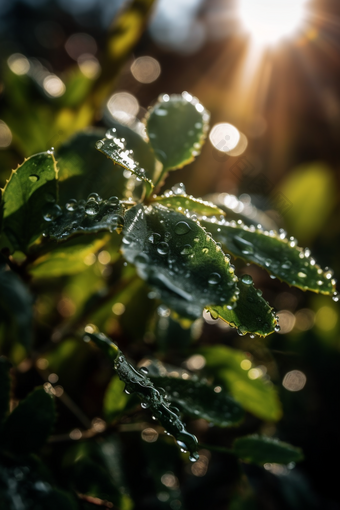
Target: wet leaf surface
[[175, 255], [177, 126], [29, 192], [199, 400], [276, 253], [182, 202]]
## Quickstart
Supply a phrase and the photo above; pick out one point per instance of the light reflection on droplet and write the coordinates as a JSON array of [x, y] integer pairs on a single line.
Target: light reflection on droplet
[[145, 69], [224, 137], [149, 435], [294, 380], [196, 362], [18, 64], [53, 85], [5, 135], [287, 321], [118, 308]]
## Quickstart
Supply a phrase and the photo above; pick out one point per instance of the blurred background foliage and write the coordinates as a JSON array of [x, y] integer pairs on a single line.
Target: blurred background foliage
[[66, 65]]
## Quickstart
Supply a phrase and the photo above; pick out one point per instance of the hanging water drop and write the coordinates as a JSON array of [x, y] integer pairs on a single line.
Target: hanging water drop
[[91, 208], [71, 205], [179, 189], [246, 279]]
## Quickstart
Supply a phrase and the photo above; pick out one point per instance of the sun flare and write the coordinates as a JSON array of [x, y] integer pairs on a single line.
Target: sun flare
[[269, 21]]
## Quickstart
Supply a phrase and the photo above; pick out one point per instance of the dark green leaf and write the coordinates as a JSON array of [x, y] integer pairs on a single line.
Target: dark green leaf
[[116, 149], [4, 388], [94, 215], [233, 370], [29, 194], [16, 304], [261, 449], [137, 382], [82, 170], [274, 252], [183, 202], [251, 313], [29, 425], [175, 255], [177, 126], [199, 400]]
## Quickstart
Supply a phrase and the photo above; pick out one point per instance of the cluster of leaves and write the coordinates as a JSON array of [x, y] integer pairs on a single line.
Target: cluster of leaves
[[58, 210]]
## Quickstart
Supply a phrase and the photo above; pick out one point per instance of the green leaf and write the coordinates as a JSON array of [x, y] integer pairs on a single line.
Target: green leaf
[[82, 170], [117, 149], [153, 398], [177, 127], [142, 151], [247, 385], [68, 257], [16, 304], [260, 450], [92, 216], [182, 202], [29, 425], [199, 400], [251, 313], [115, 400], [276, 253], [29, 193], [175, 255], [4, 388]]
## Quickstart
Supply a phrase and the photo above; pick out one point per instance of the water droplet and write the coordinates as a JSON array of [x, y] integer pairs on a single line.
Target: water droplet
[[163, 248], [259, 292], [93, 196], [179, 189], [245, 246], [181, 228], [91, 208], [52, 212], [277, 328], [154, 238], [161, 112], [34, 178], [141, 259], [329, 274], [99, 144], [214, 278], [282, 233], [186, 250], [241, 331], [335, 297], [145, 405], [246, 279], [268, 262], [301, 274], [113, 201], [71, 204], [193, 457], [286, 264], [144, 370]]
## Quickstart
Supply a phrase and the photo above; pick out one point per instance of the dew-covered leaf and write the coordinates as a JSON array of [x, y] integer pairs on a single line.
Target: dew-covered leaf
[[260, 450], [152, 397], [69, 257], [86, 217], [199, 400], [177, 127], [82, 170], [276, 253], [27, 428], [251, 313], [16, 304], [117, 150], [4, 388], [247, 384], [142, 151], [30, 190], [177, 199], [174, 254]]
